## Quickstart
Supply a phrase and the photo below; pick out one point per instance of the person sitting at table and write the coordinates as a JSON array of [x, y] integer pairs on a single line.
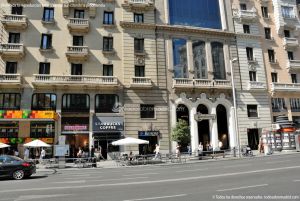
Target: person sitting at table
[[130, 157]]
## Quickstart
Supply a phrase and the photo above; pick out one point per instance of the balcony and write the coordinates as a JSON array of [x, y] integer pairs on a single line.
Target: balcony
[[78, 25], [77, 53], [12, 51], [75, 80], [10, 80], [139, 4], [283, 87], [294, 65], [290, 43], [141, 82], [186, 83], [18, 1], [290, 21], [18, 22], [246, 15], [256, 86], [263, 1]]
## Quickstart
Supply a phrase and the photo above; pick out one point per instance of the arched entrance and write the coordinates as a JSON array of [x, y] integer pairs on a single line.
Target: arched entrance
[[223, 135], [203, 126], [182, 112]]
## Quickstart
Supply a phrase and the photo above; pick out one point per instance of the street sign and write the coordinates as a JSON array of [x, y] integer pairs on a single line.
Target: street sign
[[200, 117]]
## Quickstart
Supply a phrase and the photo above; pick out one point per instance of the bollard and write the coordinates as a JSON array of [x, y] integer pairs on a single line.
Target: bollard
[[234, 152]]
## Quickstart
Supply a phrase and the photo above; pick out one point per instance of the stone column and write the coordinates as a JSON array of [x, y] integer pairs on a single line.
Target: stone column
[[231, 128], [169, 53], [214, 130], [92, 112], [194, 129], [173, 123], [209, 62], [190, 58], [227, 59], [288, 108], [223, 14], [58, 111]]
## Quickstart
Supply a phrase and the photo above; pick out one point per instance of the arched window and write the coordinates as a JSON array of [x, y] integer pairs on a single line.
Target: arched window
[[199, 54], [218, 60]]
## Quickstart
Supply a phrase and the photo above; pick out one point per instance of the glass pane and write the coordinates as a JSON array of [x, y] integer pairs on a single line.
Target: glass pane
[[199, 54], [218, 61], [180, 58]]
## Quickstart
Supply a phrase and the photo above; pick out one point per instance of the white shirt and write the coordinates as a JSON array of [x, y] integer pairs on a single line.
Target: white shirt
[[43, 153]]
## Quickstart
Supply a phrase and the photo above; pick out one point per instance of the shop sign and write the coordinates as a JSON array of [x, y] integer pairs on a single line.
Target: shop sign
[[26, 114], [148, 133], [108, 124], [25, 140], [75, 127]]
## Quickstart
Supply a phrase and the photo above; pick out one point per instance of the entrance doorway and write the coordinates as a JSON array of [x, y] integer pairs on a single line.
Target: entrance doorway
[[182, 112], [222, 126], [104, 140], [253, 138], [145, 149], [203, 126], [77, 141]]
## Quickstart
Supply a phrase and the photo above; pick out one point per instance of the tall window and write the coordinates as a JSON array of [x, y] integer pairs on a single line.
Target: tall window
[[11, 68], [252, 110], [294, 78], [287, 33], [278, 104], [42, 129], [106, 103], [46, 42], [147, 111], [108, 44], [79, 14], [246, 28], [268, 33], [274, 77], [41, 101], [108, 70], [139, 71], [10, 101], [76, 69], [249, 51], [138, 17], [199, 55], [265, 12], [108, 17], [243, 6], [287, 12], [180, 58], [271, 55], [218, 61], [295, 104], [44, 68], [290, 55], [77, 40], [48, 15], [139, 45], [75, 103], [16, 10], [14, 37], [252, 76]]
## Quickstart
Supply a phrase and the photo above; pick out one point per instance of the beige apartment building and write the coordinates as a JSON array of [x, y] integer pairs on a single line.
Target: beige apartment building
[[87, 70]]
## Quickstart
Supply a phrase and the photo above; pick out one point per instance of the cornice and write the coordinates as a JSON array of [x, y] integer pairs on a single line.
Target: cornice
[[133, 25], [252, 36]]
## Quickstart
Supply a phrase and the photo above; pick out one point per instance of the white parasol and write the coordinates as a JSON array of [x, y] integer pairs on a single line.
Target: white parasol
[[2, 145], [129, 141], [36, 143]]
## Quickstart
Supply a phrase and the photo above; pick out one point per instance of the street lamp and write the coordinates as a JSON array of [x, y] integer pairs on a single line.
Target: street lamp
[[232, 61]]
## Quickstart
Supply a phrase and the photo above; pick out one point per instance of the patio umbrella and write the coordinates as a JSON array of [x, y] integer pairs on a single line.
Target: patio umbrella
[[36, 143], [129, 141], [2, 145]]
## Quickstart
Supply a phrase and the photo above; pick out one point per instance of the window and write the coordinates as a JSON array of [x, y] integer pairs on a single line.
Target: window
[[249, 51], [218, 61], [11, 67], [76, 69], [44, 68], [77, 40], [199, 55], [79, 14], [295, 104], [108, 44], [252, 75], [17, 10], [180, 58], [274, 77], [139, 71], [138, 45], [290, 55], [75, 103], [108, 17], [287, 33], [147, 111], [271, 55], [138, 18], [294, 78], [108, 70], [10, 101], [46, 42], [243, 6], [287, 12], [278, 104], [246, 28], [268, 33], [42, 129], [48, 15], [252, 111], [265, 12], [106, 103], [42, 101], [14, 37]]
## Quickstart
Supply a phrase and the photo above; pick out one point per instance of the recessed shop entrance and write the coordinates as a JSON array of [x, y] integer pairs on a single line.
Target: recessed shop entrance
[[253, 138], [102, 141]]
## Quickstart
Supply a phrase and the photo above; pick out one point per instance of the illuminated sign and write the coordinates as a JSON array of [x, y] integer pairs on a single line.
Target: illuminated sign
[[26, 114]]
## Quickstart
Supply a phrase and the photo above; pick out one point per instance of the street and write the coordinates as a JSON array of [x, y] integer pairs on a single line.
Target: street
[[258, 178]]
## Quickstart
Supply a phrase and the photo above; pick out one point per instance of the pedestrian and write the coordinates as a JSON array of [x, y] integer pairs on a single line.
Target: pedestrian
[[189, 149], [156, 151], [79, 153], [16, 153], [43, 153], [26, 154], [130, 157], [200, 149], [177, 151], [100, 153], [220, 144], [92, 152]]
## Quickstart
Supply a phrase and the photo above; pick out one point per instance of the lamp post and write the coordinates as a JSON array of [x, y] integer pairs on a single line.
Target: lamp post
[[234, 60]]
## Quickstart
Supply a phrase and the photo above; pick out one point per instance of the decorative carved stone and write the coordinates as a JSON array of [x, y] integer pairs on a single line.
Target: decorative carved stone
[[203, 96]]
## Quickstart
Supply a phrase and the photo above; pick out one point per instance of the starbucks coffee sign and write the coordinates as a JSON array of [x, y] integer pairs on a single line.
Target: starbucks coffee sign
[[109, 124]]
